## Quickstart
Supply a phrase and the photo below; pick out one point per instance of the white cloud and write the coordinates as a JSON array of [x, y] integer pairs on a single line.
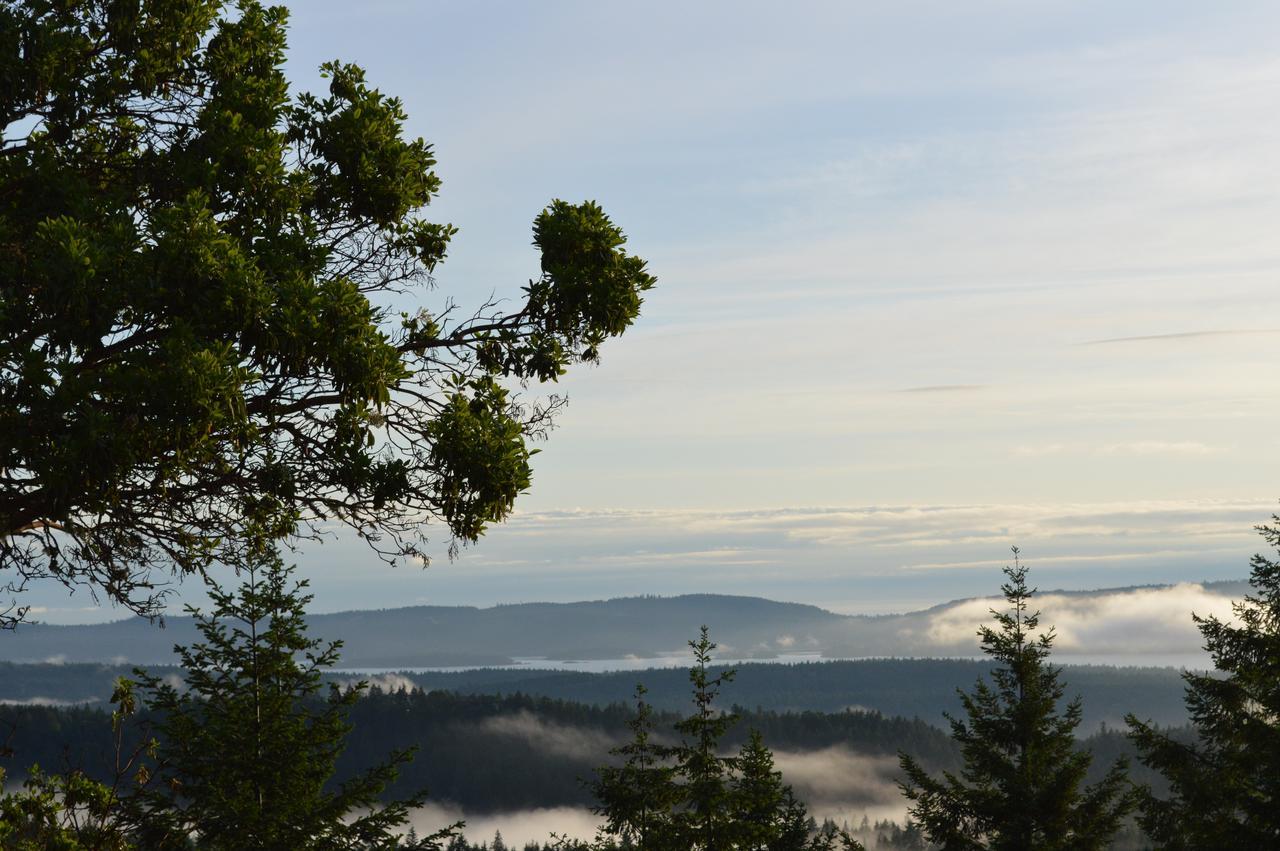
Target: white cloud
[[839, 776], [518, 827], [389, 682], [1143, 620], [1159, 447], [45, 701], [573, 742]]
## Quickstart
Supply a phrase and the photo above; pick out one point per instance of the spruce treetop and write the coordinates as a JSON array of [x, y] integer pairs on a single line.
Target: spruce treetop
[[1022, 783], [1225, 785]]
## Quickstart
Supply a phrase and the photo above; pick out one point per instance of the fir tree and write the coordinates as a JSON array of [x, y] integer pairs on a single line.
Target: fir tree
[[1225, 788], [636, 797], [244, 753], [690, 796], [703, 771], [766, 814], [1021, 787]]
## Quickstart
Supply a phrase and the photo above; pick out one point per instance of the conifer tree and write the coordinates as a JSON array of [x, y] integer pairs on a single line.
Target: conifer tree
[[636, 797], [766, 814], [1021, 787], [245, 752], [690, 796], [698, 762], [1225, 787]]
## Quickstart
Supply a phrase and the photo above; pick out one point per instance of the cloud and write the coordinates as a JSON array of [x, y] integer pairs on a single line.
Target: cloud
[[944, 388], [1138, 621], [1186, 448], [1159, 447], [389, 682], [573, 742], [518, 827], [839, 776], [833, 782], [1184, 335], [852, 558], [45, 701]]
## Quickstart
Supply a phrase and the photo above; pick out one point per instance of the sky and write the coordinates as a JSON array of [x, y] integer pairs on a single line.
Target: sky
[[935, 279]]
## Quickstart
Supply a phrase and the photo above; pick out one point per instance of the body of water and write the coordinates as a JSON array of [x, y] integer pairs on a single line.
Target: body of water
[[1182, 661]]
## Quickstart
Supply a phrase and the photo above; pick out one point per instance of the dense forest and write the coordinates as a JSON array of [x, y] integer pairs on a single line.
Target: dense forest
[[911, 688], [498, 753]]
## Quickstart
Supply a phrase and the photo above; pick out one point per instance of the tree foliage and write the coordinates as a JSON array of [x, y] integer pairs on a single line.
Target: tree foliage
[[244, 753], [197, 340], [1021, 785], [689, 795], [61, 812], [1225, 787]]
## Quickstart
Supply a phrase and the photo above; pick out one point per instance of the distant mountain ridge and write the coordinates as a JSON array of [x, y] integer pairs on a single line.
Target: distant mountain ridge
[[645, 627]]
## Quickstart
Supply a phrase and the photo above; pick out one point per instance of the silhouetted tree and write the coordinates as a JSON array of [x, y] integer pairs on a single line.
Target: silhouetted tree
[[766, 816], [636, 797], [1021, 786], [1225, 788], [690, 796], [245, 750], [703, 772]]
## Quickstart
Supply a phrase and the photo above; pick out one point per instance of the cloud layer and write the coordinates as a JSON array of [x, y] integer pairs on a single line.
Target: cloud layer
[[1141, 621]]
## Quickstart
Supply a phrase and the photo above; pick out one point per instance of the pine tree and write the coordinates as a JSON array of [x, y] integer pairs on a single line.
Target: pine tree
[[703, 771], [1021, 785], [245, 752], [636, 797], [1225, 788], [766, 814], [690, 796]]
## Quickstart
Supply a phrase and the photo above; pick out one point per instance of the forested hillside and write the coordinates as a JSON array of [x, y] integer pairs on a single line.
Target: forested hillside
[[648, 627], [923, 688], [493, 754]]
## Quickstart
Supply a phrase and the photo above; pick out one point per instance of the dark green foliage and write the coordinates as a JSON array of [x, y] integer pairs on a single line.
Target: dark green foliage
[[636, 796], [690, 795], [923, 688], [61, 812], [244, 752], [467, 761], [705, 817], [195, 268], [766, 813], [73, 811], [1225, 787], [1021, 785]]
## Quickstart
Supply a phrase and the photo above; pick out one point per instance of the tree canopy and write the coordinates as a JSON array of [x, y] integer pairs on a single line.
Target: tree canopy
[[197, 336], [1225, 787], [1021, 785]]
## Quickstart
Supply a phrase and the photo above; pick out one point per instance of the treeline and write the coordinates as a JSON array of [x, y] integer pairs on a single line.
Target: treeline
[[491, 753], [484, 753], [911, 688]]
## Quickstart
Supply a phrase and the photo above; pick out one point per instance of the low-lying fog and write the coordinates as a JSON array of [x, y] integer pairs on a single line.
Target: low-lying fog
[[834, 782]]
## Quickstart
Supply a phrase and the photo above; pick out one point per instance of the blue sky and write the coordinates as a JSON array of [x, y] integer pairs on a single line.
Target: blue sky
[[934, 279]]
